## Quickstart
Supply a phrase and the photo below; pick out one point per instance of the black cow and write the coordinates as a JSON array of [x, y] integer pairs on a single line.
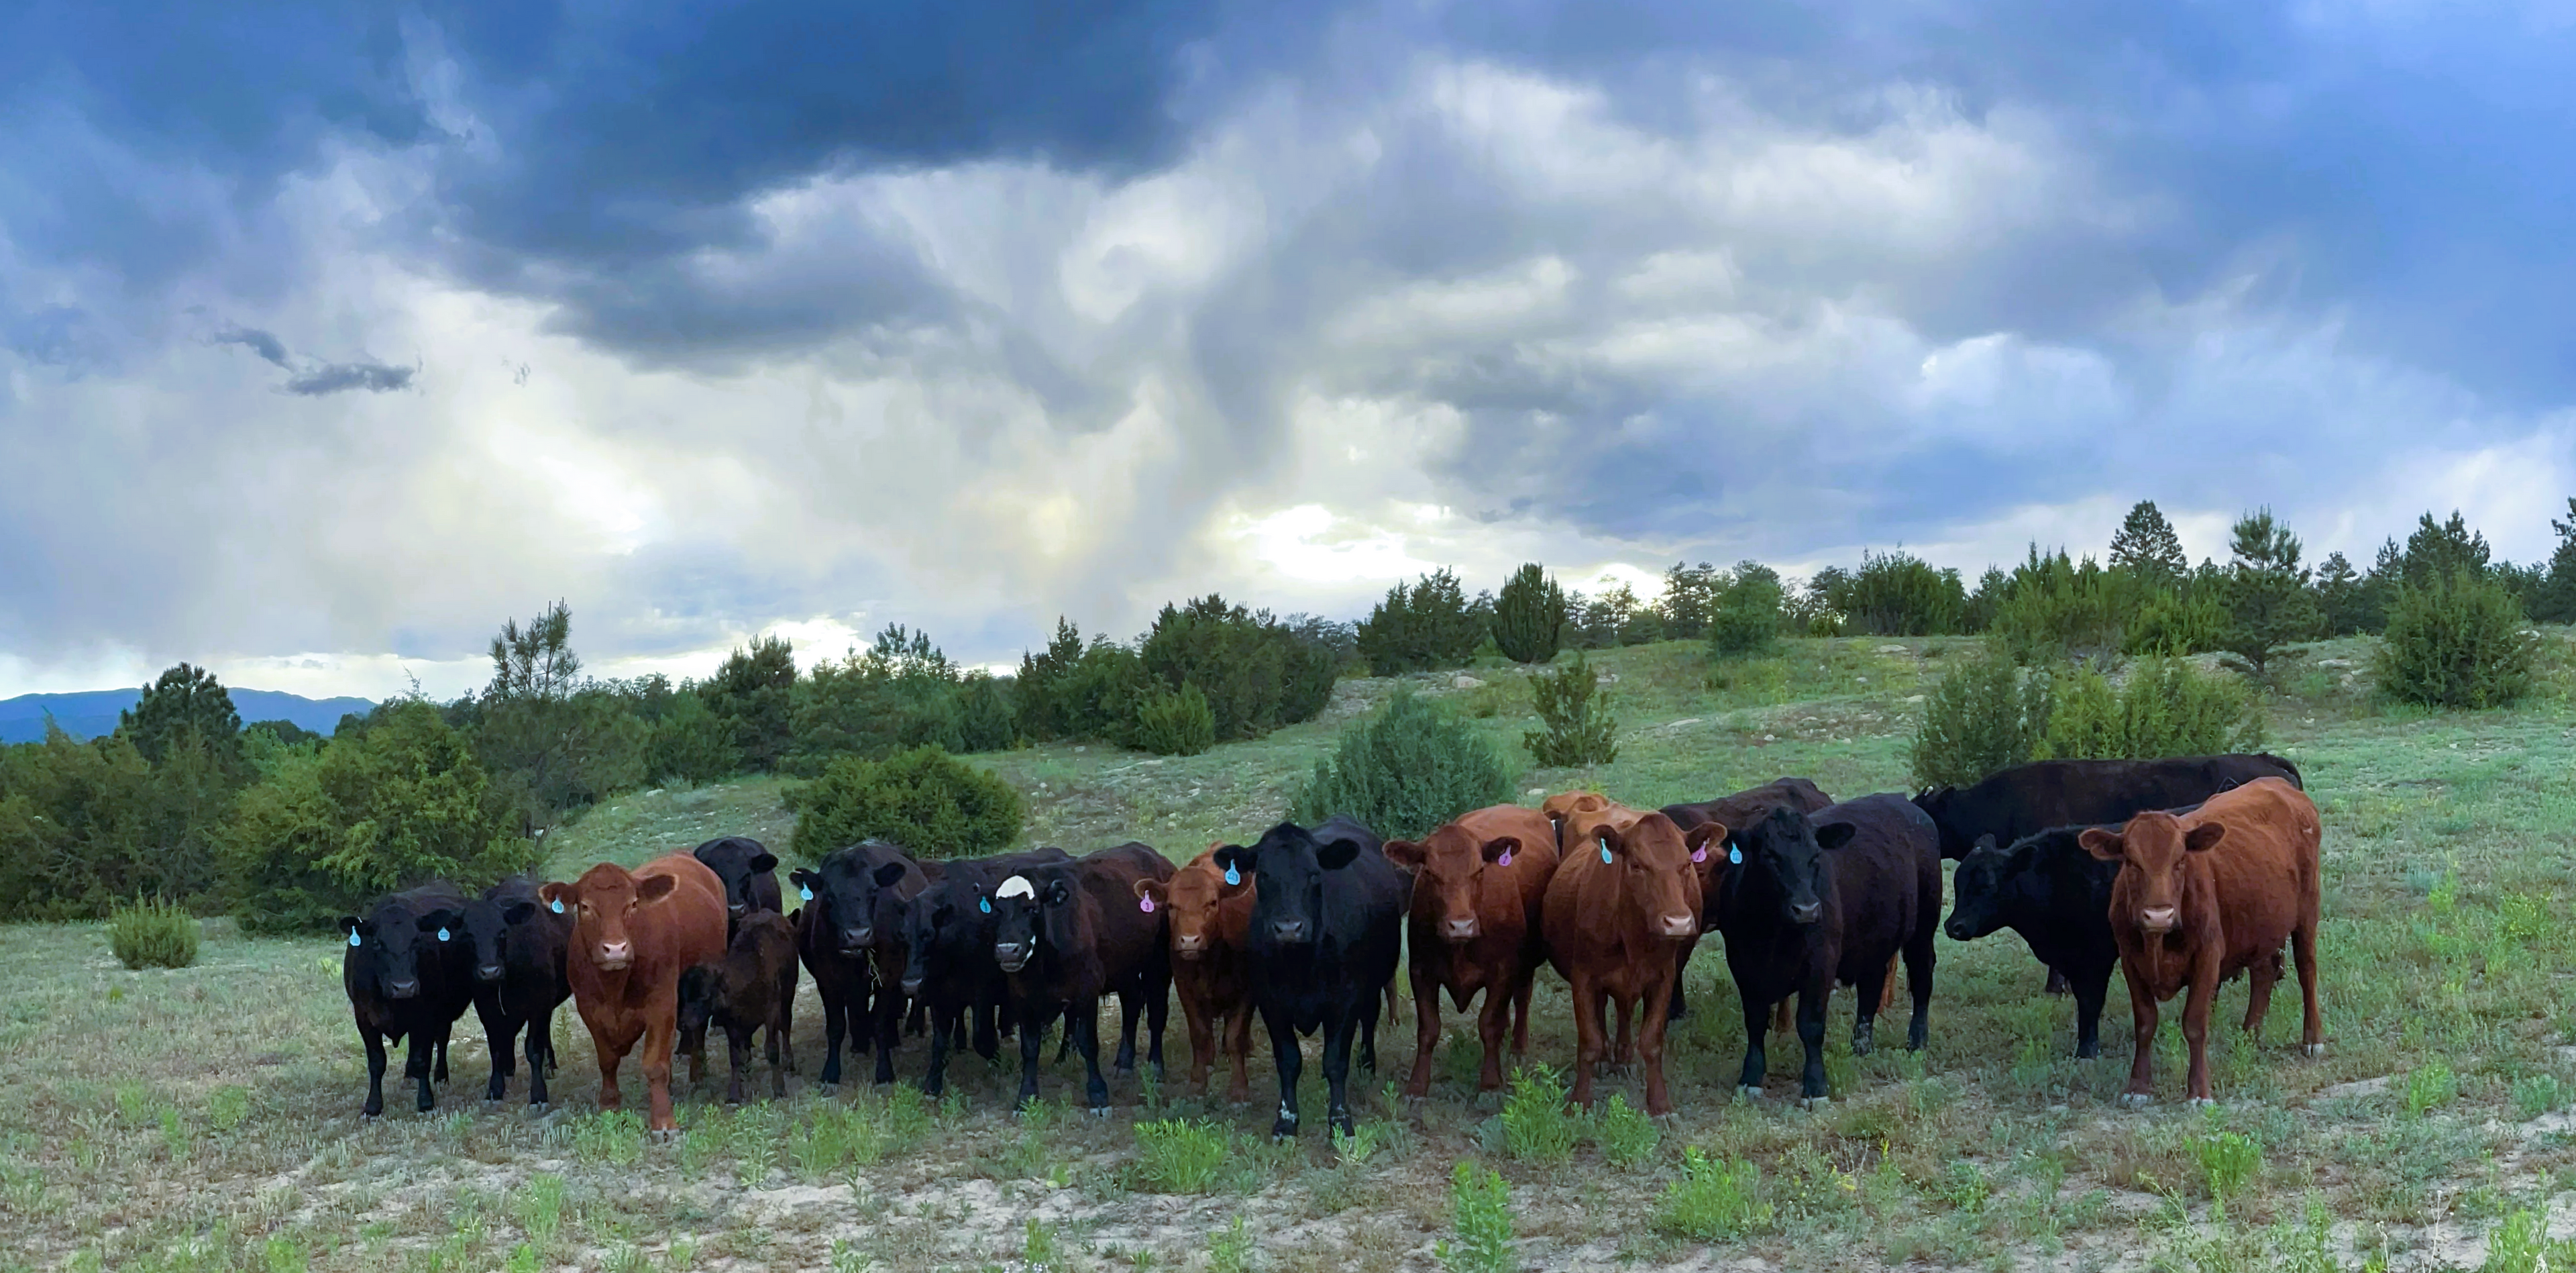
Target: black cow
[[750, 877], [2047, 888], [1327, 918], [518, 944], [948, 933], [849, 932], [749, 989], [1739, 810], [1815, 901], [409, 976], [1066, 935]]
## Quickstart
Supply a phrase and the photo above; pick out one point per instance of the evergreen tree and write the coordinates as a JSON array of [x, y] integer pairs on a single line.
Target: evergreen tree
[[1529, 617], [2268, 599], [753, 692], [1041, 711], [548, 740], [2554, 600], [186, 701], [1690, 593], [2444, 553], [2147, 548], [2341, 596]]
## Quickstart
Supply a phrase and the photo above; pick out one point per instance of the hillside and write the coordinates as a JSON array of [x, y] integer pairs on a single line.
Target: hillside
[[91, 713]]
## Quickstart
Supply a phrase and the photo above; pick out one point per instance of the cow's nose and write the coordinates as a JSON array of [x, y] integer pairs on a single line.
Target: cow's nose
[[2157, 919], [911, 986], [616, 955], [858, 938], [737, 909], [402, 989], [488, 973], [1013, 956], [1808, 913], [1462, 929], [1956, 930], [1289, 930], [1680, 926]]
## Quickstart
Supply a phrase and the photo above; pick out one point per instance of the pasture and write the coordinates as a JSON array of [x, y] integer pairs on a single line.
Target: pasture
[[207, 1118]]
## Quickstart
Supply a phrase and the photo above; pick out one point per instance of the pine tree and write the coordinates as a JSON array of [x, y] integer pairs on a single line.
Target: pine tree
[[2267, 590], [1529, 617], [2147, 548], [2444, 553], [2555, 600], [185, 701], [2341, 596], [1041, 711]]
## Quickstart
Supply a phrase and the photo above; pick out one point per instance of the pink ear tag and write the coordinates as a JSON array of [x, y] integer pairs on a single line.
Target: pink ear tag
[[1505, 859], [1145, 904], [1700, 854]]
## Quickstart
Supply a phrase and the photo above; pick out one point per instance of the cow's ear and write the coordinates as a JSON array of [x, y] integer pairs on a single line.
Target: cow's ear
[[1698, 837], [2102, 844], [1338, 854], [1405, 853], [1149, 889], [559, 895], [351, 924], [653, 888], [2203, 838], [1235, 858], [432, 921], [518, 912], [1985, 843], [802, 878], [1501, 848], [1058, 892], [764, 861], [889, 875], [1834, 835]]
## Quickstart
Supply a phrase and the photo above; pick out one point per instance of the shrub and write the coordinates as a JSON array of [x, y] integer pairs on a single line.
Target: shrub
[[1714, 1201], [1483, 1206], [1096, 698], [1404, 769], [1254, 673], [753, 693], [2430, 1086], [1529, 616], [1175, 724], [923, 799], [403, 802], [1579, 726], [1428, 625], [690, 743], [1897, 594], [2052, 608], [2167, 708], [2456, 642], [2173, 625], [1984, 715], [153, 933], [1746, 618], [84, 825]]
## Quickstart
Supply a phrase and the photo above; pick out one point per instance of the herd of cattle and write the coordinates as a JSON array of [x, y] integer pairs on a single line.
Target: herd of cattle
[[2181, 872]]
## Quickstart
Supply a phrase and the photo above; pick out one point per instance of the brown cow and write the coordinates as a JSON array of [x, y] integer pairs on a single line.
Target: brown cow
[[633, 934], [2206, 894], [1577, 815], [1479, 885], [1209, 919], [1617, 911]]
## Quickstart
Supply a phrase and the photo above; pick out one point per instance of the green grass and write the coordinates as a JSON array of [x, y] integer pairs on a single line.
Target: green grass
[[206, 1117]]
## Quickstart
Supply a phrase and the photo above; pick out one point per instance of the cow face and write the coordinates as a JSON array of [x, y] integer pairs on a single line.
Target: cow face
[[1288, 867], [487, 927], [1784, 853], [736, 861], [2154, 852], [925, 918], [390, 945], [1660, 876], [1033, 911], [1449, 869], [702, 993], [1709, 865], [1190, 900], [1935, 802], [856, 896], [1980, 882], [602, 903]]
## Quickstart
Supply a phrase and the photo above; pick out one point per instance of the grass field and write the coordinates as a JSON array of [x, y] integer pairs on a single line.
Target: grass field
[[207, 1118]]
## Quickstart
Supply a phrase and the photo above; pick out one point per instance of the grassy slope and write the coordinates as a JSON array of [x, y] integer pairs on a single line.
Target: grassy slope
[[206, 1118]]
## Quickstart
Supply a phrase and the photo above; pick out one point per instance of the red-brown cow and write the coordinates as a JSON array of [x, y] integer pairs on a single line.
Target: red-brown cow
[[633, 935], [1479, 885], [1617, 911], [2204, 895], [1209, 920]]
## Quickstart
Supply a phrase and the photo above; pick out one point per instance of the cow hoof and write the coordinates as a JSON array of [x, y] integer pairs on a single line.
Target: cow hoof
[[2313, 1049], [2203, 1102], [2135, 1100], [1814, 1102], [1100, 1111], [1747, 1092], [541, 1107]]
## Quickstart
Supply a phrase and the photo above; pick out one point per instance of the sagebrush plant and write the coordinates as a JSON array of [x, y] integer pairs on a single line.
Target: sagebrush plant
[[1984, 715], [1482, 1205], [153, 932], [1536, 1126], [2166, 708], [925, 800], [1716, 1199], [1404, 769], [1170, 723], [1578, 728], [2457, 642]]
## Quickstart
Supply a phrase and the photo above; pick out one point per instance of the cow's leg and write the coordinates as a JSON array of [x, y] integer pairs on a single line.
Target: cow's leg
[[1757, 1061], [781, 1059], [1198, 1020], [1493, 1022], [2312, 1024], [540, 1055], [2265, 974], [1337, 1065], [439, 1072], [1284, 1057], [1681, 962], [988, 1039], [1625, 1054], [416, 1066], [661, 1025], [1811, 1033], [695, 1044], [1920, 956], [1650, 1046], [1780, 1015], [784, 1050], [835, 1019], [502, 1037], [2090, 991], [888, 1031], [1426, 1029], [1587, 1036], [1131, 1005], [1085, 1028], [1873, 986], [2195, 1021], [1238, 1028], [737, 1042], [1064, 1045], [1158, 1010], [1367, 1015], [375, 1103], [610, 1053], [1887, 988], [943, 1030], [2142, 1014], [1520, 1010], [1032, 1047], [919, 1022], [2057, 982]]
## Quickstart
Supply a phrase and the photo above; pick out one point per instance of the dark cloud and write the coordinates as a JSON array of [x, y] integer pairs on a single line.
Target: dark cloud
[[340, 377], [259, 342]]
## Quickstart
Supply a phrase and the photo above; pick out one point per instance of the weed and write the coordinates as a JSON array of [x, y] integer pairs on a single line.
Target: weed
[[613, 1137], [2430, 1086], [1536, 1127], [2521, 1245], [1715, 1200], [540, 1205], [2537, 1094], [1626, 1136], [1179, 1156], [1037, 1245], [1230, 1251], [282, 1255], [2228, 1161], [1483, 1206], [227, 1106]]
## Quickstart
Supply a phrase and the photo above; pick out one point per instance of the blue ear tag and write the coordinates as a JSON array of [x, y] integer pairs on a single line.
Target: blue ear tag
[[984, 904], [1232, 876], [442, 934], [1605, 853], [804, 893], [353, 939], [1735, 855]]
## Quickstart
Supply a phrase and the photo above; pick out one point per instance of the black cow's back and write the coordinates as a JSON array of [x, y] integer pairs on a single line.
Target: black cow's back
[[2028, 799]]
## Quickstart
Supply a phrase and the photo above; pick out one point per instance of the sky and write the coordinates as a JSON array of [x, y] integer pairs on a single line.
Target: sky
[[333, 335]]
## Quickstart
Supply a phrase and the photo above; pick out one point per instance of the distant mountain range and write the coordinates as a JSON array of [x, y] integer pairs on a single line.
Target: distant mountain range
[[91, 713]]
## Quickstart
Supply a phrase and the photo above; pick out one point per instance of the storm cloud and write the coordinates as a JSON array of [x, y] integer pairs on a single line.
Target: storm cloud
[[824, 317]]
